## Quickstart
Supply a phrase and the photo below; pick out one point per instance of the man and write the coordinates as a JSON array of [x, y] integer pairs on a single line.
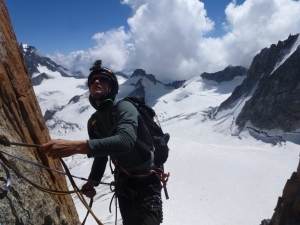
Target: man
[[113, 132]]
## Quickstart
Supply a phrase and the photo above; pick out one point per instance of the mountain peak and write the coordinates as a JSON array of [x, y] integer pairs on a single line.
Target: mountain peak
[[138, 72], [227, 74], [38, 65]]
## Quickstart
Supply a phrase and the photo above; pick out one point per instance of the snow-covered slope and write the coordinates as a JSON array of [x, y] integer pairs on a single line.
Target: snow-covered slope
[[216, 178]]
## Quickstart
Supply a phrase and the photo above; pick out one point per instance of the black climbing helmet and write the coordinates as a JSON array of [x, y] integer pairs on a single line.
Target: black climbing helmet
[[98, 69]]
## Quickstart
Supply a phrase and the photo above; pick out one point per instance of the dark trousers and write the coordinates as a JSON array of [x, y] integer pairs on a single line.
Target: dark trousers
[[141, 202]]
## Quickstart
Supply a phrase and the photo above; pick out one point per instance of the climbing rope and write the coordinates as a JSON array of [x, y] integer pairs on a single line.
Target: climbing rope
[[8, 179], [5, 141], [48, 168]]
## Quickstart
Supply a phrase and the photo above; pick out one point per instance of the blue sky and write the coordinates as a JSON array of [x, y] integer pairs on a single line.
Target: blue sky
[[64, 25], [68, 26], [195, 36]]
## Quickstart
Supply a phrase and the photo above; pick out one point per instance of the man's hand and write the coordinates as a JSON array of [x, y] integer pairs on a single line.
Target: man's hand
[[88, 189], [63, 148]]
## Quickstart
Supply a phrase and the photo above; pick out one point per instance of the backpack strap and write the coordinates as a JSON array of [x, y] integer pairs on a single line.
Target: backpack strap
[[149, 164], [137, 106]]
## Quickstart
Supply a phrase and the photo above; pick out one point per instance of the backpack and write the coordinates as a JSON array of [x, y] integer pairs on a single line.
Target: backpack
[[159, 139]]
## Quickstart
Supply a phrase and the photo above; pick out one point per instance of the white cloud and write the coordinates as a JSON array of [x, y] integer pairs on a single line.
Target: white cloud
[[257, 24], [111, 47], [168, 38]]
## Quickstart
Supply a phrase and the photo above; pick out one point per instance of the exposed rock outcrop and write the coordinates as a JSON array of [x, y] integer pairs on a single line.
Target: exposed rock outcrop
[[22, 121], [139, 87], [227, 74], [262, 65], [139, 90], [38, 79], [176, 84], [33, 60], [272, 85], [276, 99], [287, 210], [141, 72]]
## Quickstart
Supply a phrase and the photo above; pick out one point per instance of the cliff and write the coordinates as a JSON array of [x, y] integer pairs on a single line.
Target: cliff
[[21, 120], [287, 210], [276, 99], [270, 90]]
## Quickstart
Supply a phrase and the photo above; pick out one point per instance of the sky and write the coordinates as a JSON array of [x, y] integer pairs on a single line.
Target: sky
[[172, 39], [216, 175]]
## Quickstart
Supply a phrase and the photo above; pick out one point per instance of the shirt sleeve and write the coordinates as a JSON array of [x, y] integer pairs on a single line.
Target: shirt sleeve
[[98, 169], [124, 139]]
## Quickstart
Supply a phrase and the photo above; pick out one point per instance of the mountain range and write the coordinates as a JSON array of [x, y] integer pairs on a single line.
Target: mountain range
[[269, 89], [254, 111]]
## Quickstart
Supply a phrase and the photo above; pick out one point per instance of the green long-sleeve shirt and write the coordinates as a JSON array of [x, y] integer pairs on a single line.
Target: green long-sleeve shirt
[[120, 144]]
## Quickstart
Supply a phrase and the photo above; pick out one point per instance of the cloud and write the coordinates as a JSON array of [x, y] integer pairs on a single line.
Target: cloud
[[170, 38], [257, 24], [111, 47]]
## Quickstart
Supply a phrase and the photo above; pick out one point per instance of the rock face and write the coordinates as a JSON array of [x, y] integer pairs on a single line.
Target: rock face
[[176, 84], [33, 60], [21, 120], [275, 89], [141, 72], [139, 87], [276, 100], [227, 74], [287, 210]]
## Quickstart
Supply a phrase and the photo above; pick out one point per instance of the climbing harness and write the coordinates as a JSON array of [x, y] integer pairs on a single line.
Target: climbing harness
[[161, 175], [5, 141]]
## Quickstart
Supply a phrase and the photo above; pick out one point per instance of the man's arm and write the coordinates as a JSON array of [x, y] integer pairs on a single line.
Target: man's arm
[[124, 139], [60, 148], [120, 143], [97, 171]]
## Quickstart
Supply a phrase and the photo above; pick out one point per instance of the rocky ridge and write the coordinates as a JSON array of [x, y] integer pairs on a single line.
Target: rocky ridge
[[228, 74], [271, 88], [139, 89], [287, 209], [34, 60]]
